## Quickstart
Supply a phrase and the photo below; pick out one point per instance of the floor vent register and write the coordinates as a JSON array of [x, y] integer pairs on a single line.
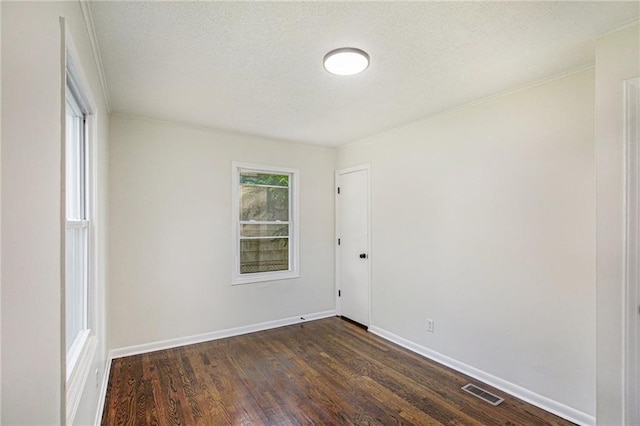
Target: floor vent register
[[482, 394]]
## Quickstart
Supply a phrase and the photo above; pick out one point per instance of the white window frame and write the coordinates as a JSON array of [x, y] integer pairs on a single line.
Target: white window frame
[[73, 101], [80, 357], [294, 225]]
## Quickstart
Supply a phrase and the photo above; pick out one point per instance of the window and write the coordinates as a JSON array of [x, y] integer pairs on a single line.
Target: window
[[77, 229], [81, 322], [265, 212]]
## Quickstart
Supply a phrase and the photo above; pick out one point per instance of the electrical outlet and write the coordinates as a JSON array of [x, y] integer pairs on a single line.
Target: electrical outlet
[[430, 326]]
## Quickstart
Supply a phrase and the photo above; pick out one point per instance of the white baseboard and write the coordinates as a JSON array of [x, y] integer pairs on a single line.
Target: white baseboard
[[215, 335], [199, 338], [532, 398]]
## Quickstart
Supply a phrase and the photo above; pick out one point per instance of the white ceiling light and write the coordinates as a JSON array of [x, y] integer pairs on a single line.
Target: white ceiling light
[[346, 61]]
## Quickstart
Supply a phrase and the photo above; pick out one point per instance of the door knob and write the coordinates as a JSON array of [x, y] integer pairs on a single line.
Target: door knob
[[363, 255]]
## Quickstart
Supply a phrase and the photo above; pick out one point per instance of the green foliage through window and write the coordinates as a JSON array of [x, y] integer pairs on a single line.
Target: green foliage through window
[[253, 178], [264, 197]]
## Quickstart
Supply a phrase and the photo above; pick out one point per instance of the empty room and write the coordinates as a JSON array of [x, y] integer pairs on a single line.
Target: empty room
[[330, 213]]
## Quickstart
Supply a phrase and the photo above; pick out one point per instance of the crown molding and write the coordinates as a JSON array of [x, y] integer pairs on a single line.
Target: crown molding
[[186, 125], [620, 27], [370, 139], [93, 39]]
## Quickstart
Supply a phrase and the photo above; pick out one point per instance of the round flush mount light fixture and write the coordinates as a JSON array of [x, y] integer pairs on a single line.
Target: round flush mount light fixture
[[346, 61]]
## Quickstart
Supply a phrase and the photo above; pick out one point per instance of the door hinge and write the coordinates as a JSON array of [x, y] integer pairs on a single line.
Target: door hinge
[[338, 241], [339, 293], [338, 190]]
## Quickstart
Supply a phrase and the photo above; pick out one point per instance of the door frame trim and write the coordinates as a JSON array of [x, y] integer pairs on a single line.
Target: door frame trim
[[363, 167]]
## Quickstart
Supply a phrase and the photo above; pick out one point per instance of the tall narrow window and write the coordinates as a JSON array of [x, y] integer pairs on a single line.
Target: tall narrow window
[[265, 216], [77, 228], [82, 329]]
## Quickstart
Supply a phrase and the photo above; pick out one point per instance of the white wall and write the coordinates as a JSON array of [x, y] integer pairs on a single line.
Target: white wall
[[32, 349], [617, 60], [170, 224], [484, 220]]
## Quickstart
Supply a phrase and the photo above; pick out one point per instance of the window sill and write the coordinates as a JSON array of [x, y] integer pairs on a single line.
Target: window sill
[[264, 276]]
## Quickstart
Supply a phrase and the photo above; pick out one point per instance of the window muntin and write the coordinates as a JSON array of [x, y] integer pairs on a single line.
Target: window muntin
[[265, 238]]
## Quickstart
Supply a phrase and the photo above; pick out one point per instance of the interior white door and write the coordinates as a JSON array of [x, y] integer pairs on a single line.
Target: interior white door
[[353, 248]]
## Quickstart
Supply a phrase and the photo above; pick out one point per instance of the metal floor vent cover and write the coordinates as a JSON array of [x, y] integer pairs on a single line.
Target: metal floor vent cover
[[482, 394]]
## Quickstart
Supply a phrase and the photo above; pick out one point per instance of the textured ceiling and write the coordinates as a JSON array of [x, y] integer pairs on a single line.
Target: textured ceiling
[[256, 67]]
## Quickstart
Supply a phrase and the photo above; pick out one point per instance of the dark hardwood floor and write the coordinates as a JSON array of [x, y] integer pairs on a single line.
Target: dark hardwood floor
[[326, 372]]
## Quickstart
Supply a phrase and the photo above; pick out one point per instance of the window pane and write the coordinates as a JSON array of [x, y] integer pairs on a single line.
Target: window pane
[[75, 161], [264, 203], [255, 178], [75, 291], [264, 255], [250, 230], [76, 249]]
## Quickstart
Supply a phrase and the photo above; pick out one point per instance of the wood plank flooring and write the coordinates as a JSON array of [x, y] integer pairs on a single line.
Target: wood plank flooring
[[326, 372]]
